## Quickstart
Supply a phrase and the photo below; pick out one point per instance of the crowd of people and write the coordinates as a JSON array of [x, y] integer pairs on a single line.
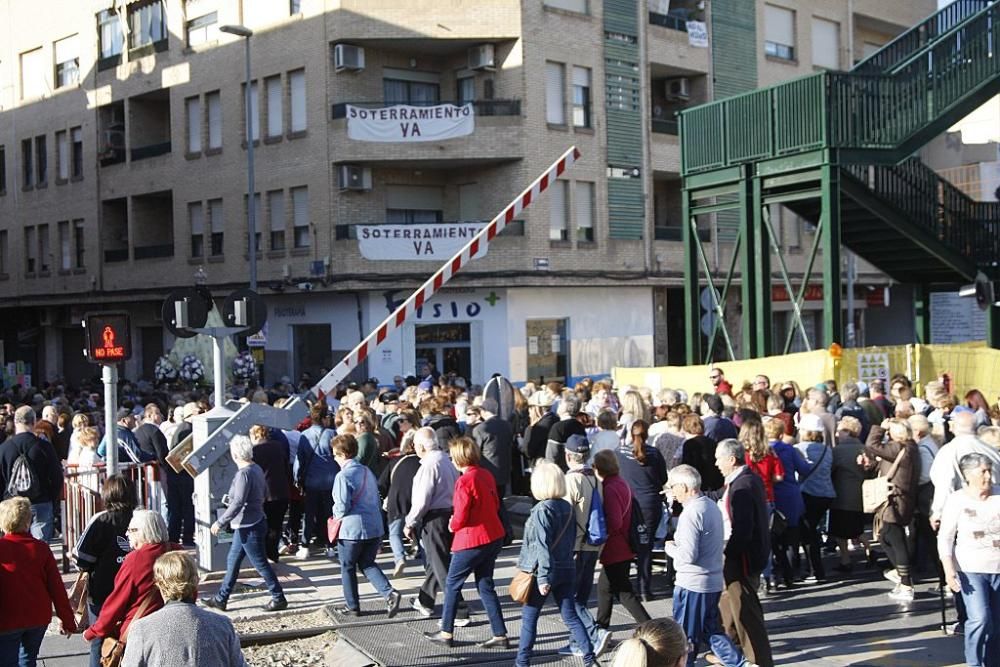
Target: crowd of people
[[744, 491]]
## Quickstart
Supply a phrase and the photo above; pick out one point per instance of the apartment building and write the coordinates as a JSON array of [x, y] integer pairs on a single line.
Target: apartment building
[[123, 169]]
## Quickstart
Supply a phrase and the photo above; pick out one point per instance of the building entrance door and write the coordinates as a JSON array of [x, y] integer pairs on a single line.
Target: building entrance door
[[311, 345], [448, 346]]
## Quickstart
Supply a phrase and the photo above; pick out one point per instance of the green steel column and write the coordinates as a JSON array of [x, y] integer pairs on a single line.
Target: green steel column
[[833, 316], [748, 266], [922, 314], [692, 311], [993, 327], [762, 275]]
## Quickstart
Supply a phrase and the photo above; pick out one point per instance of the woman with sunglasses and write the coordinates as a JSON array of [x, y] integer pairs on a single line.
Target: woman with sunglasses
[[364, 433], [643, 468]]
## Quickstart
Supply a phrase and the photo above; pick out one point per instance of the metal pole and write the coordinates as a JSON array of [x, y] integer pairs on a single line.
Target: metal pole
[[218, 365], [109, 374], [251, 208], [851, 269]]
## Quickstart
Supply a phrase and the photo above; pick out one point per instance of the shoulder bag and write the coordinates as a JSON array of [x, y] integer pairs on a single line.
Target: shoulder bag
[[113, 648], [816, 465], [333, 523], [78, 600], [523, 583], [875, 492]]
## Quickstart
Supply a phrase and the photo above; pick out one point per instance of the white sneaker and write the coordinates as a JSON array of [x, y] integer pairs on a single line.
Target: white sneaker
[[602, 642], [892, 575], [331, 552], [397, 571], [424, 611], [302, 553], [569, 649], [902, 593], [459, 622]]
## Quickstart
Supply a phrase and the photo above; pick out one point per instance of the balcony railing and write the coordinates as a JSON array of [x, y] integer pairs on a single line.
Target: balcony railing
[[668, 21], [154, 251], [661, 126], [482, 107], [350, 231], [150, 151], [117, 255]]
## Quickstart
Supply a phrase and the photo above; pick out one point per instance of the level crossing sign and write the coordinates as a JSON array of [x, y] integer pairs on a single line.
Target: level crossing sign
[[873, 366]]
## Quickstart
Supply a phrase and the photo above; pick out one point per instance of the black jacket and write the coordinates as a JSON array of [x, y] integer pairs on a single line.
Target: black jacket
[[152, 441], [272, 457], [495, 438], [555, 446], [396, 485], [101, 550], [750, 541], [537, 437], [44, 463], [699, 452], [445, 429]]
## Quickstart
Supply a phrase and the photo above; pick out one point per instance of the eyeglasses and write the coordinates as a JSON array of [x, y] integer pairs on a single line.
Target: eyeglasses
[[132, 530], [361, 423], [714, 377]]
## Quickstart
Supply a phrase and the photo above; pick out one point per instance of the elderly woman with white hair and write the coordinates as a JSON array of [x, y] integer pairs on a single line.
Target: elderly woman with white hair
[[245, 514], [134, 594]]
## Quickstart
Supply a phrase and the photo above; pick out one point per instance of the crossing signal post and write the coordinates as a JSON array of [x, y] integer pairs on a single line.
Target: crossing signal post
[[109, 342]]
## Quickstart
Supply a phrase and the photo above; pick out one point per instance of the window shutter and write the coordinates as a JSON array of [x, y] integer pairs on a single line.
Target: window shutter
[[568, 5], [197, 215], [415, 197], [216, 216], [557, 211], [276, 204], [275, 112], [193, 105], [214, 103], [584, 205], [300, 207], [555, 100], [254, 112], [825, 43], [297, 90], [62, 148], [779, 25]]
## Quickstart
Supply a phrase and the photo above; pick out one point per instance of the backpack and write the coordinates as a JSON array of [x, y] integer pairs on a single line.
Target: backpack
[[23, 480], [597, 528], [638, 534]]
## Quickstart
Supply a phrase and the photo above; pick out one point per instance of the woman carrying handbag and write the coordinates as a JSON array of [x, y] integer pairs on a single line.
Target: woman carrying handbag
[[546, 562]]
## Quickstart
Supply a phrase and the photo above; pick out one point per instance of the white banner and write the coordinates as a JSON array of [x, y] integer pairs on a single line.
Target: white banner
[[697, 34], [404, 123], [436, 241]]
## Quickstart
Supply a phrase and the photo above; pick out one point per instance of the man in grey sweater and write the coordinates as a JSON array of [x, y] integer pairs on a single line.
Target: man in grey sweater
[[181, 634], [697, 554]]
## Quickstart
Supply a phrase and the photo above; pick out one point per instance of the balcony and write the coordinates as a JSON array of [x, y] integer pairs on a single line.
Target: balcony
[[669, 21], [152, 150], [494, 139], [663, 126], [116, 255], [669, 43], [154, 251]]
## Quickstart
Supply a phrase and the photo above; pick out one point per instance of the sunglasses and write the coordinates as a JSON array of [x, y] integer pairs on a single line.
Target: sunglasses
[[714, 377]]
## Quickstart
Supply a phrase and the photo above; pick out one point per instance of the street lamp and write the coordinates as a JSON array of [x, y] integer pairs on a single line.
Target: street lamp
[[246, 33]]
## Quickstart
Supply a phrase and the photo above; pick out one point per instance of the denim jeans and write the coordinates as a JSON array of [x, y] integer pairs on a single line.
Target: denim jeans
[[42, 521], [981, 593], [249, 541], [586, 562], [396, 540], [95, 645], [698, 614], [21, 647], [479, 561], [318, 506], [562, 593], [360, 554]]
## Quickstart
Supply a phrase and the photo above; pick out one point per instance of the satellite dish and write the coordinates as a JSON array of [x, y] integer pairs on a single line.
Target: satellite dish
[[255, 314], [199, 303]]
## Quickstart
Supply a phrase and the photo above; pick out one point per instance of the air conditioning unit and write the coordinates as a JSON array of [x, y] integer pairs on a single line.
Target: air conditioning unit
[[678, 90], [482, 57], [354, 177], [348, 58]]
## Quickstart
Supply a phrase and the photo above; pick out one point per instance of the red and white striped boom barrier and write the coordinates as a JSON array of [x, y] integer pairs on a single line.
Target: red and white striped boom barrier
[[444, 274]]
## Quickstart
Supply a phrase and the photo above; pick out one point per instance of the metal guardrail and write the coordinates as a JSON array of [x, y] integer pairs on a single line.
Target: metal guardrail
[[82, 498], [511, 107], [668, 21], [661, 126], [151, 150]]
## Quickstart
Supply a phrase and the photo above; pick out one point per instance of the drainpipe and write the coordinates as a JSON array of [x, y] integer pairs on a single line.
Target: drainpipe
[[642, 7]]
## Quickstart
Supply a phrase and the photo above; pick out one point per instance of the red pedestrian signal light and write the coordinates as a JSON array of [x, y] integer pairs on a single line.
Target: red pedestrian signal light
[[109, 337]]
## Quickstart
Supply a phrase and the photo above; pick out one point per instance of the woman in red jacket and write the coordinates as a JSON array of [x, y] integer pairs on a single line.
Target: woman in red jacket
[[29, 585], [478, 538], [147, 535], [617, 555]]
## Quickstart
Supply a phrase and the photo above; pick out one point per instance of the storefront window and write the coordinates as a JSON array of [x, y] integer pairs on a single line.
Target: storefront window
[[447, 346], [548, 350]]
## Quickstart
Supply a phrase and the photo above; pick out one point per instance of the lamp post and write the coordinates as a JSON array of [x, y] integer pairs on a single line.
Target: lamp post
[[246, 33]]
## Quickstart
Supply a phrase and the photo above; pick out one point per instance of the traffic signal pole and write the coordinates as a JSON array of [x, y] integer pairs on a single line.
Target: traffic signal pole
[[109, 373]]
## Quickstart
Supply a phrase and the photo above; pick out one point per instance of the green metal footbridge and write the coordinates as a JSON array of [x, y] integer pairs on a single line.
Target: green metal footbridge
[[838, 149]]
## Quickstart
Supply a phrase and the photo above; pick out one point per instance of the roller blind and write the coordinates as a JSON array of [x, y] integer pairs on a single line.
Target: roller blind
[[558, 211], [297, 93], [215, 213], [779, 25], [272, 88], [825, 43], [300, 207], [415, 197], [555, 87], [584, 205], [193, 108], [568, 5], [214, 103], [197, 215]]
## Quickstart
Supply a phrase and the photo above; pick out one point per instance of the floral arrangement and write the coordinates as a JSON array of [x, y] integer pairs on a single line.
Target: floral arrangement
[[244, 366], [192, 370], [164, 370]]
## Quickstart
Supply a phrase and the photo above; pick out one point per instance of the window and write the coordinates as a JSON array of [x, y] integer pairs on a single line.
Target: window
[[555, 85], [581, 97], [217, 224], [3, 170], [79, 243], [466, 87], [30, 250], [584, 211], [65, 249], [214, 103], [41, 161], [110, 34], [76, 152], [43, 249], [258, 222], [779, 32], [203, 29], [32, 74], [276, 219], [147, 24], [27, 164], [67, 62], [548, 350], [3, 252], [196, 218], [579, 6], [409, 87], [254, 111], [300, 218], [294, 7], [192, 110], [559, 212], [825, 43], [297, 99], [273, 95], [62, 156]]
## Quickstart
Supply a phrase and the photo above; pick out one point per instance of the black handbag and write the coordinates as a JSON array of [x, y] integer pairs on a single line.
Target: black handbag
[[779, 523]]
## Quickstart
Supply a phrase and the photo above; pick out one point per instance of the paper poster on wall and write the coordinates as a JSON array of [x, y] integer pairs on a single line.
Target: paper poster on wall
[[873, 366], [532, 344], [556, 343], [406, 124], [956, 319]]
